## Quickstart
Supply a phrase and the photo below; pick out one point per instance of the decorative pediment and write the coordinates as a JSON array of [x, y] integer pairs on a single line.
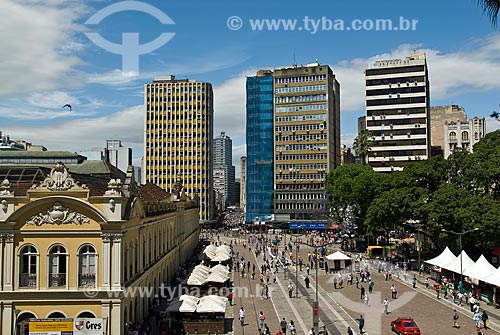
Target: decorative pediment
[[58, 214], [59, 179], [114, 187]]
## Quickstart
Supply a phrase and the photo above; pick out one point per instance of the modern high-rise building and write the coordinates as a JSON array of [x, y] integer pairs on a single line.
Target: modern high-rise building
[[224, 171], [259, 139], [463, 135], [178, 138], [306, 138], [243, 183], [118, 155], [397, 112]]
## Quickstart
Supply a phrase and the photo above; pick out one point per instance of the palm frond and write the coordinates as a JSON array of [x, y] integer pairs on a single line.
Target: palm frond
[[491, 8]]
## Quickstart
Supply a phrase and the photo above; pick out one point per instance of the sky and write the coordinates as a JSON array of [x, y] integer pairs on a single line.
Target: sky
[[52, 53]]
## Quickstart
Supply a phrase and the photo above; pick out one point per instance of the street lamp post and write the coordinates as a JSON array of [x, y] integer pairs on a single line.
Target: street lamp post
[[460, 245]]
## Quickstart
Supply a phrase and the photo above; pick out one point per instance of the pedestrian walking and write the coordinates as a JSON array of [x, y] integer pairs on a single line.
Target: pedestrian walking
[[290, 289], [283, 326], [361, 322], [455, 319], [362, 292], [357, 282], [366, 299], [394, 291], [386, 306], [307, 269], [262, 320], [370, 286], [335, 283], [242, 316], [349, 331], [307, 281], [477, 319], [292, 327], [414, 281], [484, 318], [230, 298], [426, 281]]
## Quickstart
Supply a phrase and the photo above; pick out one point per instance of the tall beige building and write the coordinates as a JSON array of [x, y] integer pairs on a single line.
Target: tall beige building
[[306, 137], [440, 115], [243, 183], [178, 138]]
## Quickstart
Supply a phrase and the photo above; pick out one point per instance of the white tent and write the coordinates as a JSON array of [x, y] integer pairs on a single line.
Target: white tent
[[480, 270], [494, 278], [444, 258], [215, 277], [338, 256], [184, 303], [212, 304], [462, 261], [219, 268], [196, 279]]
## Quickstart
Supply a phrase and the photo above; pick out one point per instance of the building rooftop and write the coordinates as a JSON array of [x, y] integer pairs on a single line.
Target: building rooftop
[[415, 58]]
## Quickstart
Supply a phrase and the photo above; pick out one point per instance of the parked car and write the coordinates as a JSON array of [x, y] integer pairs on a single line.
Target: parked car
[[405, 326]]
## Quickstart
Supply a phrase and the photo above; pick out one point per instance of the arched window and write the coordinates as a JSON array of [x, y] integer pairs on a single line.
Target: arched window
[[28, 258], [23, 321], [88, 315], [56, 315], [465, 136], [58, 261], [453, 136], [87, 262]]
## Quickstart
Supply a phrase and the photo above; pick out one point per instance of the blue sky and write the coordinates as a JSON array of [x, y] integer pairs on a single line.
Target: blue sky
[[46, 61]]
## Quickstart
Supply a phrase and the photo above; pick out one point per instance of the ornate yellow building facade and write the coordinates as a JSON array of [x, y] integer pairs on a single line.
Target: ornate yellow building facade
[[87, 244]]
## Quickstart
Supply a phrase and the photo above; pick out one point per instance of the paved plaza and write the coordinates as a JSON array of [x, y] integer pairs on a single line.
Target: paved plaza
[[339, 308]]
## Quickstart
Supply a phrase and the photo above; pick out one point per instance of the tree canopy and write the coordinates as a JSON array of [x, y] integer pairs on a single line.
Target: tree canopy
[[457, 194]]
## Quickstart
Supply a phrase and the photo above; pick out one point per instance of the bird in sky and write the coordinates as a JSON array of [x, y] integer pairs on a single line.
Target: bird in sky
[[67, 105]]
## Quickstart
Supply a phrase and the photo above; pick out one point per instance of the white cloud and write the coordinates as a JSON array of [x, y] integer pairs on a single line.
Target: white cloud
[[230, 106], [474, 68], [80, 134], [33, 35], [492, 125]]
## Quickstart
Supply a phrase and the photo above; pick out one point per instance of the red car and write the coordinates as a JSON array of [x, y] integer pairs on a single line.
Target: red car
[[405, 326]]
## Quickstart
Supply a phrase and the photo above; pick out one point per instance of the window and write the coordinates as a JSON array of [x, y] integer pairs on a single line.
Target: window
[[453, 136], [57, 266], [28, 266], [87, 261], [465, 136]]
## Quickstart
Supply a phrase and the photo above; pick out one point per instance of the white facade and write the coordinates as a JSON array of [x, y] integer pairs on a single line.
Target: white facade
[[463, 135], [397, 112], [117, 155]]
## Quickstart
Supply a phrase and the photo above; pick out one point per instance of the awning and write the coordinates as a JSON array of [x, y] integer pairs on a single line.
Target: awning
[[185, 303], [462, 261], [371, 247], [494, 278], [212, 304], [444, 258], [338, 256], [481, 270]]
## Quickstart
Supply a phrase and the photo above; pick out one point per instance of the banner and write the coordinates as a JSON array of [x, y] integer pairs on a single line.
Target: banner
[[51, 327], [87, 326]]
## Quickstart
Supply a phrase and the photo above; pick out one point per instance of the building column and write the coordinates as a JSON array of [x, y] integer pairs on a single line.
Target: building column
[[7, 318], [106, 260], [117, 261], [116, 319], [106, 316], [9, 262], [1, 262]]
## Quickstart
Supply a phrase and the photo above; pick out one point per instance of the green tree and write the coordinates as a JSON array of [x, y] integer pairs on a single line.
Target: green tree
[[362, 144], [351, 188]]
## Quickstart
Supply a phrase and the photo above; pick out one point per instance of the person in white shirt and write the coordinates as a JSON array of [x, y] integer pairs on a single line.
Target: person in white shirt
[[386, 306], [242, 316]]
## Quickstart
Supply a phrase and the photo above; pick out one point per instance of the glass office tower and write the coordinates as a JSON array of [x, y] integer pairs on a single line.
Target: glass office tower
[[259, 139]]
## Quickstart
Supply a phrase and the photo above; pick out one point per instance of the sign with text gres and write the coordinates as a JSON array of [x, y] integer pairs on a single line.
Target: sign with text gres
[[87, 326]]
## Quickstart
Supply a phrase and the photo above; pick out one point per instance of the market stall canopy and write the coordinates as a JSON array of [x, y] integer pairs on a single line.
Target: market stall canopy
[[202, 274], [212, 304], [444, 258], [481, 270], [221, 253], [494, 278], [338, 256], [462, 261], [189, 304], [185, 303], [219, 268]]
